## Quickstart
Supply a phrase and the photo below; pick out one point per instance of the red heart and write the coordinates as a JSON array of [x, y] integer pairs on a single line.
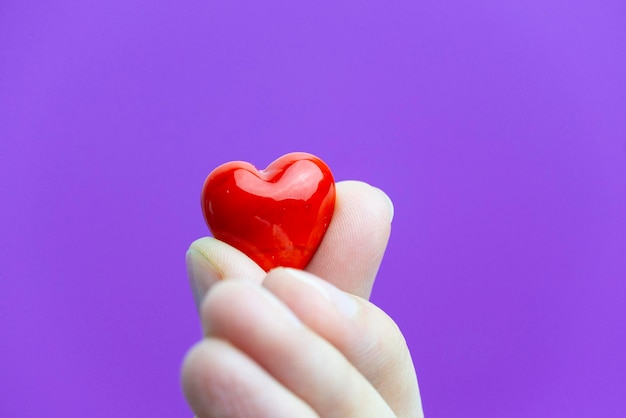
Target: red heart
[[277, 216]]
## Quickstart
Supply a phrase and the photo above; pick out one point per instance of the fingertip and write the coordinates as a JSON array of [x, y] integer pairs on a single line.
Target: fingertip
[[209, 261], [344, 303], [388, 201], [220, 380], [233, 307], [352, 250], [363, 209], [192, 373], [226, 259], [202, 273]]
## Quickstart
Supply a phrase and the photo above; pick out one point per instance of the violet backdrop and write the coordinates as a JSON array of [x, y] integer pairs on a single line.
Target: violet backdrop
[[497, 128]]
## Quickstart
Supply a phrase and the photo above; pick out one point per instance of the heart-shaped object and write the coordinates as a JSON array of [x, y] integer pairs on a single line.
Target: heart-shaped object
[[277, 216]]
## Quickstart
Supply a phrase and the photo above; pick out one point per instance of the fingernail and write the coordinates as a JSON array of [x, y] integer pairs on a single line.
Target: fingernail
[[344, 303], [202, 274]]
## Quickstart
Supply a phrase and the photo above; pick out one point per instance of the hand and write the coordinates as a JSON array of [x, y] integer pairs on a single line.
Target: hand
[[289, 344]]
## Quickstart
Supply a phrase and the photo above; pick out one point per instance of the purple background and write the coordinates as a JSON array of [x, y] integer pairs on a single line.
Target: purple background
[[498, 129]]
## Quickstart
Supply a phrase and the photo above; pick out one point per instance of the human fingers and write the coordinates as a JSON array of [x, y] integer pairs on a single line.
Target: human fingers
[[210, 260], [364, 334], [353, 247], [221, 381], [349, 255], [252, 319]]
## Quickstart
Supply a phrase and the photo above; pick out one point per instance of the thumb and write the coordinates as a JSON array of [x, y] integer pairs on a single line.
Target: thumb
[[352, 249]]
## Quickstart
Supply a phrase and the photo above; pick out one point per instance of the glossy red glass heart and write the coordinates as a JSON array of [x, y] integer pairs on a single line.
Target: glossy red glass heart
[[277, 216]]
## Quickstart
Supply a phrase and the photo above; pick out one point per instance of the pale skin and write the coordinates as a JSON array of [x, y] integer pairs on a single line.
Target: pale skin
[[292, 343]]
